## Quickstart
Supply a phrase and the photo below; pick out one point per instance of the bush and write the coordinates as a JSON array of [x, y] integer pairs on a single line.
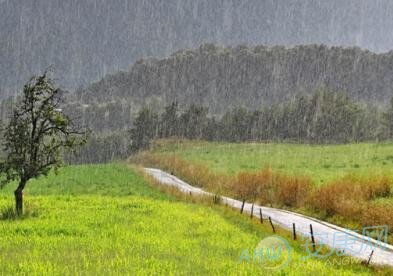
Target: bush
[[347, 195], [266, 192], [375, 187], [377, 214], [272, 188], [292, 191], [246, 186]]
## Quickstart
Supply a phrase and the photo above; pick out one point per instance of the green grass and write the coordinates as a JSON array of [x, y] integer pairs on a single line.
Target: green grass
[[105, 179], [321, 162], [105, 219]]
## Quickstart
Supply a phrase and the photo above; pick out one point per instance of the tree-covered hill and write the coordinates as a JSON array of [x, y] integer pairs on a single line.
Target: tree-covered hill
[[251, 76], [267, 80], [85, 40]]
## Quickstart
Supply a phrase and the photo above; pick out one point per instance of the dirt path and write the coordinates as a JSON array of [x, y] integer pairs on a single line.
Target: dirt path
[[347, 241]]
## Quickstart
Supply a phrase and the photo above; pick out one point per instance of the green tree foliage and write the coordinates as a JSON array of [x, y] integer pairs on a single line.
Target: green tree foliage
[[144, 130], [322, 117], [236, 125], [334, 117], [193, 122], [101, 149], [224, 78], [387, 120], [169, 121], [35, 136]]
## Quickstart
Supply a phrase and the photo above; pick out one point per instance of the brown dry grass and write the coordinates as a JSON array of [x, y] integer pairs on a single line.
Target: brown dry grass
[[350, 197], [353, 198], [195, 174], [268, 187], [346, 196], [246, 186], [264, 186], [377, 214], [292, 191]]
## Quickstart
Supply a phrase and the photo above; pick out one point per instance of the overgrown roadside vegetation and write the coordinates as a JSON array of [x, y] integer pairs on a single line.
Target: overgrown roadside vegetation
[[352, 200], [106, 219]]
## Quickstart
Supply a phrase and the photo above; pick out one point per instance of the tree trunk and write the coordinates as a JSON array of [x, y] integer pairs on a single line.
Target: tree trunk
[[19, 198]]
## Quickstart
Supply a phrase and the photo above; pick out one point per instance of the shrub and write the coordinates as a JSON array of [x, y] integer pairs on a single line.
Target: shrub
[[350, 208], [375, 187], [377, 214], [246, 186], [272, 188], [345, 196], [292, 191], [266, 190], [324, 199]]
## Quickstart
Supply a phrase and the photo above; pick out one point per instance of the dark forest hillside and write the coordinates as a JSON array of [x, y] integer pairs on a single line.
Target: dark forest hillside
[[246, 76], [222, 78], [266, 80], [85, 40]]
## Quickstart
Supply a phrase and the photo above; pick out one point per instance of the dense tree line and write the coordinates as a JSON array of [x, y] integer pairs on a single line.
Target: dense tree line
[[101, 149], [224, 77], [320, 117], [84, 48], [221, 78], [323, 117]]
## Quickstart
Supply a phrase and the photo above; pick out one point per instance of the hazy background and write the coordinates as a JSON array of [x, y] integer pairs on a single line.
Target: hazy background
[[85, 40]]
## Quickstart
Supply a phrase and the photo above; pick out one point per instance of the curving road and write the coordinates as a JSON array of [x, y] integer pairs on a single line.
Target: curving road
[[339, 239]]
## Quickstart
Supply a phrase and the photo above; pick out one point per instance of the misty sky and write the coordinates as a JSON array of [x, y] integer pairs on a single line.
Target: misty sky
[[85, 40]]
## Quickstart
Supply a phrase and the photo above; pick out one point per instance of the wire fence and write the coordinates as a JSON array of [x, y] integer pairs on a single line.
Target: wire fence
[[310, 231]]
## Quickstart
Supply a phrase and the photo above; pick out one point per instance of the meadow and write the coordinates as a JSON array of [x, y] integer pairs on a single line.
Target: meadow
[[320, 162], [349, 185], [107, 219]]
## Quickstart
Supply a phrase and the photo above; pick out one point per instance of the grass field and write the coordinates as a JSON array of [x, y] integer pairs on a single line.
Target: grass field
[[105, 219], [348, 185], [321, 162]]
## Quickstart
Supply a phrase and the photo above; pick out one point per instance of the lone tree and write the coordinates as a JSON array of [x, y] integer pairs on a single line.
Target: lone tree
[[36, 136]]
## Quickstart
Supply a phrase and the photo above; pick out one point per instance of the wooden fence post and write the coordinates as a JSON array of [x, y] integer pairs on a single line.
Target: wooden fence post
[[252, 210], [241, 210], [312, 238], [294, 231], [216, 199], [271, 223], [369, 258], [260, 215]]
